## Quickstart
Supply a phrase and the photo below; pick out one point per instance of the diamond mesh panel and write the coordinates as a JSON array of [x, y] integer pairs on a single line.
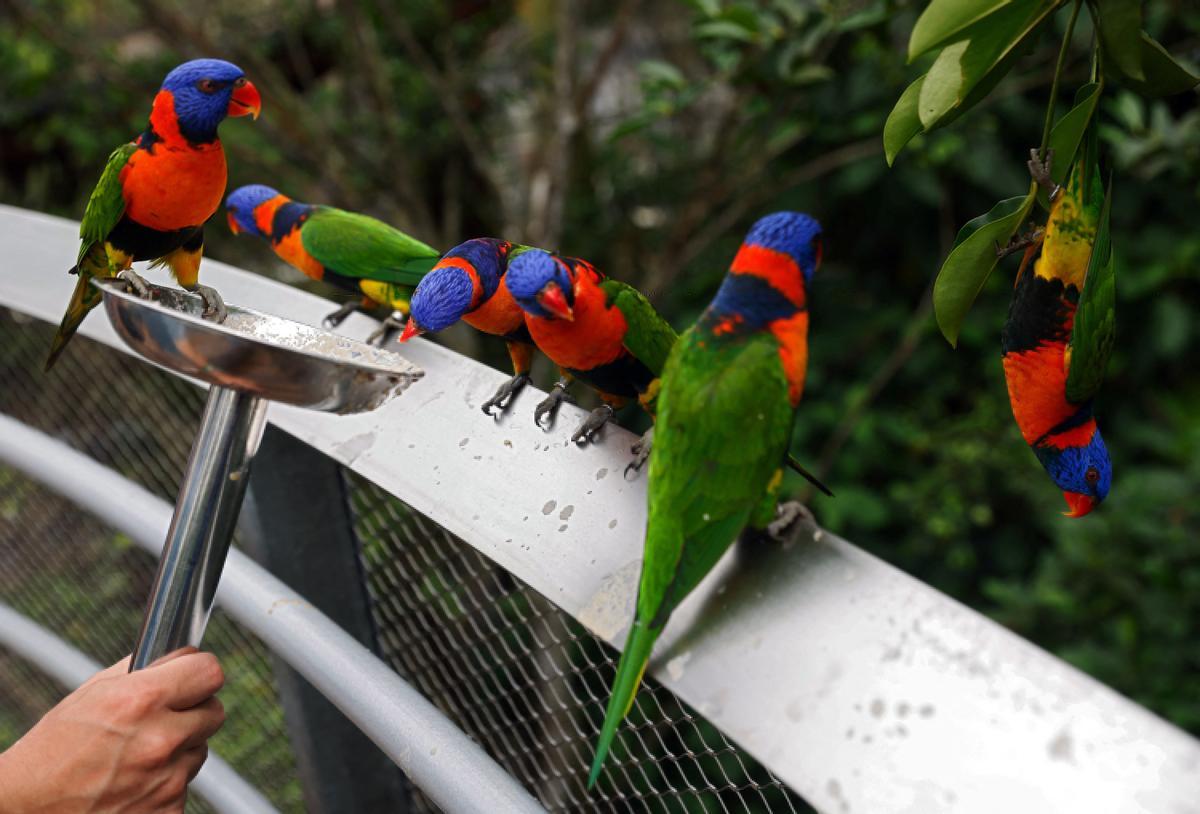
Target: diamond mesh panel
[[88, 584], [530, 684]]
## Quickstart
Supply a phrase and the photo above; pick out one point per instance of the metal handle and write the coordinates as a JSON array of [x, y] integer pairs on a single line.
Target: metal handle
[[206, 511]]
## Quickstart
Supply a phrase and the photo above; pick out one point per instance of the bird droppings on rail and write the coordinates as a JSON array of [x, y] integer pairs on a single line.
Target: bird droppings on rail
[[902, 709], [608, 611], [464, 442], [676, 665], [835, 791], [549, 507], [878, 708], [612, 524], [926, 711], [602, 473], [562, 528], [566, 513], [1062, 747], [279, 603]]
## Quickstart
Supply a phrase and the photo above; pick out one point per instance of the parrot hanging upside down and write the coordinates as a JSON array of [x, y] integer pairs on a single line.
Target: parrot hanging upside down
[[596, 329], [725, 413], [156, 193], [1059, 334], [354, 252], [468, 283]]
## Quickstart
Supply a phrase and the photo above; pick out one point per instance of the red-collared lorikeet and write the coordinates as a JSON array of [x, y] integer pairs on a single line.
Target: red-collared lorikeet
[[356, 253], [156, 193], [1059, 334], [596, 329], [725, 412], [468, 283]]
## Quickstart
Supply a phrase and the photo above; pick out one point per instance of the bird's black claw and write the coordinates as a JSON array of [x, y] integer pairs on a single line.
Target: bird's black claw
[[592, 424], [336, 318], [1039, 170], [383, 334], [787, 515], [549, 405], [504, 396], [214, 305], [641, 453]]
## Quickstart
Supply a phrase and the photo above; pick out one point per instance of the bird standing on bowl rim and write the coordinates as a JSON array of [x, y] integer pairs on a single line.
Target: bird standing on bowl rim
[[355, 253], [156, 192]]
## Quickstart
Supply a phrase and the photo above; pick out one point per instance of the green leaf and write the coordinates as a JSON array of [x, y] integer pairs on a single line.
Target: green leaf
[[1163, 75], [1068, 131], [724, 30], [986, 51], [943, 19], [1120, 23], [658, 72], [971, 261], [1095, 318], [903, 122]]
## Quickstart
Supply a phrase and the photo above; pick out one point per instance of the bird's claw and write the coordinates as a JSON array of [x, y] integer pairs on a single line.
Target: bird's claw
[[504, 395], [381, 335], [336, 318], [550, 404], [135, 281], [1039, 170], [1019, 243], [787, 516], [641, 453], [592, 424], [214, 306]]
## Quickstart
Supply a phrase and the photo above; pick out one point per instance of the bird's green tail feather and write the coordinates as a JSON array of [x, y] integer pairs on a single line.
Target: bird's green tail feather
[[84, 298], [629, 676]]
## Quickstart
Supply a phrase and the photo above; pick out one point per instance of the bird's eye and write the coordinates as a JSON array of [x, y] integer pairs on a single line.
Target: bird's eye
[[1092, 475], [240, 82], [206, 86]]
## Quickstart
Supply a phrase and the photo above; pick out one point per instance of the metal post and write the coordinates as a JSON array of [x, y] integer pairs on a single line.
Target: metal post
[[206, 511], [297, 524]]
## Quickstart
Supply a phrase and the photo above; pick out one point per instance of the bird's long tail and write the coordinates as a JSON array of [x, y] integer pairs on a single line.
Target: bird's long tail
[[84, 298], [629, 677]]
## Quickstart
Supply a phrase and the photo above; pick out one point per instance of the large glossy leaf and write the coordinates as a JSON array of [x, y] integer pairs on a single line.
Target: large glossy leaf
[[971, 261], [1163, 75], [1120, 25], [987, 45], [942, 20], [1095, 319], [903, 122], [1068, 131]]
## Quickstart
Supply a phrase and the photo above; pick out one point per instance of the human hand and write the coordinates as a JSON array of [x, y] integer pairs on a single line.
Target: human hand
[[123, 742]]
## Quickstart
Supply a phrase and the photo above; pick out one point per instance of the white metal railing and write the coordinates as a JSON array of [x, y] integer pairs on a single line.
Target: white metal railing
[[861, 687]]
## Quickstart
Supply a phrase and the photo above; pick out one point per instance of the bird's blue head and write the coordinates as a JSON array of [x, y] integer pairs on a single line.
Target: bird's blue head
[[792, 233], [241, 204], [1083, 472], [541, 284], [204, 92], [441, 299]]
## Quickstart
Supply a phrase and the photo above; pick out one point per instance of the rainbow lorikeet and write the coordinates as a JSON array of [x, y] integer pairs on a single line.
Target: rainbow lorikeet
[[468, 283], [354, 252], [596, 329], [156, 192], [725, 412], [1059, 334]]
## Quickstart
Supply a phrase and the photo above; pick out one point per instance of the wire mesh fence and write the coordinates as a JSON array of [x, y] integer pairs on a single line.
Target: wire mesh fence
[[522, 678]]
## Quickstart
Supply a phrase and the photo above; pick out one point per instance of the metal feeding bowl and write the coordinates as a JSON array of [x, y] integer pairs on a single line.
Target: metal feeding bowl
[[255, 353]]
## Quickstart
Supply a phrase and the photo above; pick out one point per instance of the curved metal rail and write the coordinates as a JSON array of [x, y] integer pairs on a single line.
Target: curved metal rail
[[859, 686], [220, 786], [453, 771]]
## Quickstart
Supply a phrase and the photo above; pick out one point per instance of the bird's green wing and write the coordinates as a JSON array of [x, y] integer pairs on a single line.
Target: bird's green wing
[[1095, 319], [360, 246], [107, 203], [724, 421], [648, 336]]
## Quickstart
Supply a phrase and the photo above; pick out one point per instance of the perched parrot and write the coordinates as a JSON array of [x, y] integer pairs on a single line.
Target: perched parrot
[[356, 253], [156, 192], [595, 329], [1059, 334], [468, 283], [725, 411]]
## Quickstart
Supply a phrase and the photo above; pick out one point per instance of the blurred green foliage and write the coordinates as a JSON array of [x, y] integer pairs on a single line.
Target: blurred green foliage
[[647, 137]]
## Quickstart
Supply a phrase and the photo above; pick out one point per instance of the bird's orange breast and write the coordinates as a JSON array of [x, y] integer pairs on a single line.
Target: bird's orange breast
[[291, 249], [499, 315], [174, 186], [792, 335], [596, 336], [1037, 386]]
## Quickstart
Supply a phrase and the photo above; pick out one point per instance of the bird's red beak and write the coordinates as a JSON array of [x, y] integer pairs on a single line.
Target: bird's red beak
[[410, 330], [233, 227], [551, 298], [1080, 504], [245, 101]]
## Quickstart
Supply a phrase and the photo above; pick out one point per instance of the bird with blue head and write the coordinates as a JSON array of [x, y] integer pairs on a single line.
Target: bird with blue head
[[157, 192]]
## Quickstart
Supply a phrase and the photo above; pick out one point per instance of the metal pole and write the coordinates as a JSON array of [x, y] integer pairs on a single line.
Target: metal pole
[[206, 511]]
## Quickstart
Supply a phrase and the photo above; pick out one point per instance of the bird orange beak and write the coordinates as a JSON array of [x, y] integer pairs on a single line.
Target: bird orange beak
[[245, 101], [233, 227], [551, 298], [410, 330], [1080, 504]]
